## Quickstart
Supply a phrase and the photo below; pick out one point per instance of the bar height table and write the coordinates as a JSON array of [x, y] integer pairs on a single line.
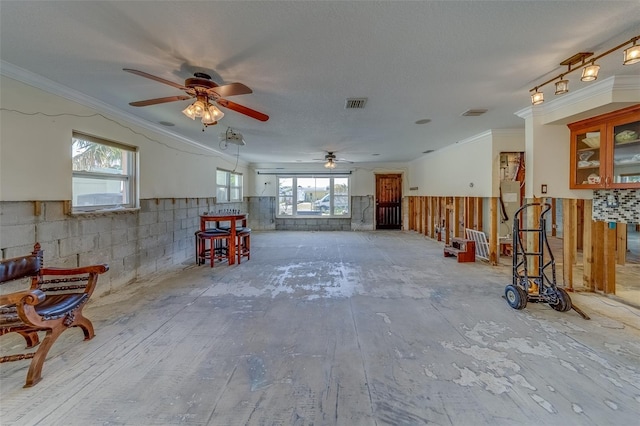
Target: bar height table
[[225, 217]]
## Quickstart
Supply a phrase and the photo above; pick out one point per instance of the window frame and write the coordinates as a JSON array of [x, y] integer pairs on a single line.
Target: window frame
[[294, 196], [228, 187], [129, 179]]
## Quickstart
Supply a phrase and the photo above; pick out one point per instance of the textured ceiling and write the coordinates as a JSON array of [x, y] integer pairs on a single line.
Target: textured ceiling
[[412, 60]]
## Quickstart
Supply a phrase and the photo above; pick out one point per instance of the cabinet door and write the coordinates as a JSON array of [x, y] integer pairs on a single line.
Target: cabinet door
[[625, 153], [588, 157]]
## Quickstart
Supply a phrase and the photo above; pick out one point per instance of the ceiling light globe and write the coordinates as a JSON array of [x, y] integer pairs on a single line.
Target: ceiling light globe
[[199, 108], [215, 112], [562, 86], [189, 112], [590, 73], [208, 119], [631, 55], [537, 98]]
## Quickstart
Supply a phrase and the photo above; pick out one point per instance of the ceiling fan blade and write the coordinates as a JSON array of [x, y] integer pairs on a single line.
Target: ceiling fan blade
[[159, 101], [153, 77], [231, 89], [242, 109]]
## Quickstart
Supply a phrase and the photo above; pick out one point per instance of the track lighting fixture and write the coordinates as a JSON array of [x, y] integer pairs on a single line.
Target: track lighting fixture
[[590, 72], [589, 68], [562, 86], [632, 54], [537, 97]]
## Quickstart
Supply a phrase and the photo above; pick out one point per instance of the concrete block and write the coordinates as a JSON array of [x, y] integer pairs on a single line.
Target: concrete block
[[49, 231], [75, 245], [105, 240], [180, 214], [181, 203], [147, 268], [165, 216], [94, 225], [147, 243], [63, 262], [149, 205], [17, 213], [182, 235], [194, 212], [147, 218], [51, 250], [18, 235], [119, 236], [165, 239], [132, 263], [158, 228], [135, 234], [95, 257], [54, 210], [123, 251], [170, 204], [125, 221]]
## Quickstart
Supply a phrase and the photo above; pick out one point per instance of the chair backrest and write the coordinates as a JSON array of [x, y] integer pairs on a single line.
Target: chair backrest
[[21, 267]]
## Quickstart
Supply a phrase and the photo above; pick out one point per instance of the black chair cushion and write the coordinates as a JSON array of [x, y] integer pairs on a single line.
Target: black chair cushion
[[212, 232], [57, 305]]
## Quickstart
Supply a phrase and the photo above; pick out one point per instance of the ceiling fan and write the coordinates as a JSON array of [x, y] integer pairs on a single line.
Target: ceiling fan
[[206, 92], [331, 159]]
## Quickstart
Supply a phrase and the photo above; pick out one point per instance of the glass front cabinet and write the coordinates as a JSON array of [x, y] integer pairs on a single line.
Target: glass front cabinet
[[605, 150]]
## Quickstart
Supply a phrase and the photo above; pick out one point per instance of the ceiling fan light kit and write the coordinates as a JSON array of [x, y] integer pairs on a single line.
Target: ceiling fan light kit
[[331, 160], [590, 69], [207, 94]]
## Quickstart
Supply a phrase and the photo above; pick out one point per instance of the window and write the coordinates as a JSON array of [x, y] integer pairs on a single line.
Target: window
[[104, 174], [228, 186], [302, 196]]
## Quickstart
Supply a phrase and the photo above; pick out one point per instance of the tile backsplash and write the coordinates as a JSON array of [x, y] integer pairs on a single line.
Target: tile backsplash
[[617, 205]]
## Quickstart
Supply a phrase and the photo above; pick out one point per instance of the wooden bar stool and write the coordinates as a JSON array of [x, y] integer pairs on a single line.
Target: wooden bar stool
[[243, 243], [217, 249]]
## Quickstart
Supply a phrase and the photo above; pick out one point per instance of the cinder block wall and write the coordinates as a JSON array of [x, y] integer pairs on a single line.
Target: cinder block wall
[[157, 237]]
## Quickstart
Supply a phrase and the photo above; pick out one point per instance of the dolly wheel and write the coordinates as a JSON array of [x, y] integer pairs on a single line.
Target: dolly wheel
[[564, 301], [523, 297], [513, 296]]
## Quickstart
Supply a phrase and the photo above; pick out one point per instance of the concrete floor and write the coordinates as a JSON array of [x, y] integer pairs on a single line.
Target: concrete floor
[[334, 328]]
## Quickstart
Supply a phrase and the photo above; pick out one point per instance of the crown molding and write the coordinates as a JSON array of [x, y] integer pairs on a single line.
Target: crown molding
[[27, 77]]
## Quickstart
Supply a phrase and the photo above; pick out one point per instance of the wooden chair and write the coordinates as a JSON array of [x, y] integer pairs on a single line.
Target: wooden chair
[[51, 306]]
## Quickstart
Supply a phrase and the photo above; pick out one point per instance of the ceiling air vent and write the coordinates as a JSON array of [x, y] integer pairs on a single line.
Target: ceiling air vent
[[355, 103], [473, 112]]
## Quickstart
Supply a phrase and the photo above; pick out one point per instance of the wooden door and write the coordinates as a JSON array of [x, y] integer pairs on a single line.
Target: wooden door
[[389, 201]]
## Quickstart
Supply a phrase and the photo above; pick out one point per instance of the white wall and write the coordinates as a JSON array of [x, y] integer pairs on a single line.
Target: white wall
[[35, 150], [451, 171]]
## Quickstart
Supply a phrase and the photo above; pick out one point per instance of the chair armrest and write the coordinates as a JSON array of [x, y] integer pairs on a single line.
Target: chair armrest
[[96, 269], [29, 297]]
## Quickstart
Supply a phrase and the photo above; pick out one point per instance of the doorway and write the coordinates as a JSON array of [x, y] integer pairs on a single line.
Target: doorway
[[389, 201]]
